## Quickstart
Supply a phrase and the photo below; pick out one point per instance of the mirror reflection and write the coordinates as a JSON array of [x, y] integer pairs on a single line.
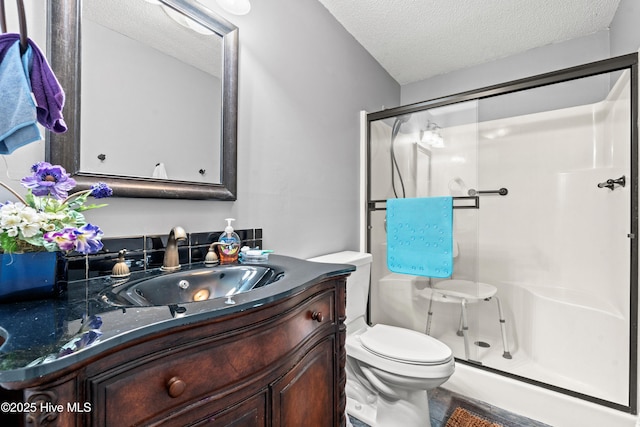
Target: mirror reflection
[[151, 92], [159, 97]]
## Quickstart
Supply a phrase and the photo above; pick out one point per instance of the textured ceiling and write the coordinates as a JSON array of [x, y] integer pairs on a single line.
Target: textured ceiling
[[417, 39]]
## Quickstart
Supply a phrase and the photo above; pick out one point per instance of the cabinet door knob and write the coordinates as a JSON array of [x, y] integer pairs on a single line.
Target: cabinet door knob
[[175, 387], [317, 315]]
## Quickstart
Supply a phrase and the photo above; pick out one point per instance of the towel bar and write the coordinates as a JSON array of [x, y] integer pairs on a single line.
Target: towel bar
[[22, 22], [475, 205], [373, 204]]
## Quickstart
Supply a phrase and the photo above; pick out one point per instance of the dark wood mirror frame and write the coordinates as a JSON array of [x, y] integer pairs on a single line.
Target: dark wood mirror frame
[[64, 51]]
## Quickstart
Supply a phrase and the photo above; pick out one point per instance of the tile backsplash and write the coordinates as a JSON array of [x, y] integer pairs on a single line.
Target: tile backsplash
[[147, 251]]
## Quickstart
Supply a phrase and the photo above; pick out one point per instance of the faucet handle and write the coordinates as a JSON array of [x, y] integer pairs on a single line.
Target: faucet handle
[[211, 258], [121, 269]]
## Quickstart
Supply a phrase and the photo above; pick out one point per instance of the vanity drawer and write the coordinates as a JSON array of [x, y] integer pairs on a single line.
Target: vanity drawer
[[160, 384]]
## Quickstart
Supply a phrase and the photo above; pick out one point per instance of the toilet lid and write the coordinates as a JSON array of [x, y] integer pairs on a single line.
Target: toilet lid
[[404, 345]]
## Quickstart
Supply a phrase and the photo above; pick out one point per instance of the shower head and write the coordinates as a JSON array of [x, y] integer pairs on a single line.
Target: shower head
[[397, 123], [403, 118]]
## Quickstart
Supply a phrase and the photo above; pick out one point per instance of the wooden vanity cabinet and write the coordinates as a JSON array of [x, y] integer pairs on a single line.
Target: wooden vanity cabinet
[[281, 364]]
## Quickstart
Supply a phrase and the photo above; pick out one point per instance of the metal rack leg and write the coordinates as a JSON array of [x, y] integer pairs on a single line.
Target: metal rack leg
[[503, 330], [465, 328], [429, 314]]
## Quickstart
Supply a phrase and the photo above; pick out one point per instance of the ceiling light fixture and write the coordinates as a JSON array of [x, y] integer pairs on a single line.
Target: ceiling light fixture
[[185, 21], [432, 136], [237, 7]]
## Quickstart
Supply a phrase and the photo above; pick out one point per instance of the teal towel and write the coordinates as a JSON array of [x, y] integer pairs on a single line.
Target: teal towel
[[18, 115], [420, 236]]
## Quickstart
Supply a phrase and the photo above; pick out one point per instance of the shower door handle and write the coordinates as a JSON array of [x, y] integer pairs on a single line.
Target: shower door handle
[[473, 192], [611, 183]]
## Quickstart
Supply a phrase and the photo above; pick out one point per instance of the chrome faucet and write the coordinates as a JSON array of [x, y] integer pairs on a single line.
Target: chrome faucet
[[171, 261]]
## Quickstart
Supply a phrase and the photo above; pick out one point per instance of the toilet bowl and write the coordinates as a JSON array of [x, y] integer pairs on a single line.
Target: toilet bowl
[[389, 369]]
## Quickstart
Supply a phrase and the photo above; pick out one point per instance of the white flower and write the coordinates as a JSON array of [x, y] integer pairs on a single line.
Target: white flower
[[16, 217], [30, 230], [10, 209], [34, 223], [54, 216], [48, 226], [29, 215], [10, 221]]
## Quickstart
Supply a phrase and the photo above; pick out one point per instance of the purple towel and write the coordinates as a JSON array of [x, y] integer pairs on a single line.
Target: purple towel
[[44, 85]]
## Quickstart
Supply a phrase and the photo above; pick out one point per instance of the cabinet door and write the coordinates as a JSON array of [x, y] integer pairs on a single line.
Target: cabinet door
[[306, 395], [250, 413]]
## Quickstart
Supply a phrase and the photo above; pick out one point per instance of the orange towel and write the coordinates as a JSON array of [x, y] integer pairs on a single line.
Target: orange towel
[[463, 418]]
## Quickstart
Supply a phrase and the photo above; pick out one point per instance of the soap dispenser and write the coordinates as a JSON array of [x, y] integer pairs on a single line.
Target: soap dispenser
[[230, 244]]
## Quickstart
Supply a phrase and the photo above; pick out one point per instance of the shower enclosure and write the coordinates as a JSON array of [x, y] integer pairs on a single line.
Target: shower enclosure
[[543, 172]]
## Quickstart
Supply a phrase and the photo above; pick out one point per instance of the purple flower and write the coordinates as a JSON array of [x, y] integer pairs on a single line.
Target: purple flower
[[85, 340], [88, 335], [91, 322], [65, 238], [89, 338], [88, 239], [101, 190], [49, 180], [65, 351]]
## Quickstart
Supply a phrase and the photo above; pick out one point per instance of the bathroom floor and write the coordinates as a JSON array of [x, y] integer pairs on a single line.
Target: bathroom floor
[[443, 402]]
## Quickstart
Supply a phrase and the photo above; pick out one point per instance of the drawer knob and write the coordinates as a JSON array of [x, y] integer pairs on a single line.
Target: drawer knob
[[317, 316], [175, 387]]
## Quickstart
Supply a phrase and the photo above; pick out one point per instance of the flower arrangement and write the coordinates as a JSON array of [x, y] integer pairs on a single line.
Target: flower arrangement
[[88, 335], [48, 218]]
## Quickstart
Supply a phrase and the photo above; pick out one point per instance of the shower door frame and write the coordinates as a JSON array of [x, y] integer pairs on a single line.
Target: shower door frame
[[619, 63]]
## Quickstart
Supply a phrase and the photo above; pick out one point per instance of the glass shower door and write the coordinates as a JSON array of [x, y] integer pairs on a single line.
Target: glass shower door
[[429, 153], [545, 261], [557, 246]]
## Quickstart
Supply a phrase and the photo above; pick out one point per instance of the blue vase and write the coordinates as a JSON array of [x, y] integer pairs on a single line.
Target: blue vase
[[32, 275]]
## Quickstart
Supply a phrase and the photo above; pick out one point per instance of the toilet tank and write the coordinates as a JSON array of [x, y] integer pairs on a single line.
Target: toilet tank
[[357, 282]]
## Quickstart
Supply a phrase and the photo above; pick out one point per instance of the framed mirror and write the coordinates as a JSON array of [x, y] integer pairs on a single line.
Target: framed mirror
[[151, 97]]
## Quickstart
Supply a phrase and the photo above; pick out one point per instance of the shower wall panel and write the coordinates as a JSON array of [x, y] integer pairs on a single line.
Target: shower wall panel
[[556, 246]]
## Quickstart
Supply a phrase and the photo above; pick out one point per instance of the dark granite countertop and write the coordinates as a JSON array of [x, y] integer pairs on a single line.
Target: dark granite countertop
[[36, 333]]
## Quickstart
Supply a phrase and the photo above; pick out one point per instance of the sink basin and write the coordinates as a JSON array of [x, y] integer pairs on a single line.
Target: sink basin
[[191, 285]]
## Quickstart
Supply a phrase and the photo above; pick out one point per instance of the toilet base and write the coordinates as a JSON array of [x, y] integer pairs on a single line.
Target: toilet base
[[364, 412], [385, 413]]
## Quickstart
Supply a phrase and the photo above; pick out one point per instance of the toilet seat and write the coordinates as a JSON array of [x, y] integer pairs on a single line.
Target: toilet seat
[[404, 346]]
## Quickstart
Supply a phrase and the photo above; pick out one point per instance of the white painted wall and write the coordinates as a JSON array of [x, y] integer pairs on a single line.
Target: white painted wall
[[624, 29], [303, 81]]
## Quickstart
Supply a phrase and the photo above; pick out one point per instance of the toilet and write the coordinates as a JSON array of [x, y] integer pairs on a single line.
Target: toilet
[[389, 369]]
